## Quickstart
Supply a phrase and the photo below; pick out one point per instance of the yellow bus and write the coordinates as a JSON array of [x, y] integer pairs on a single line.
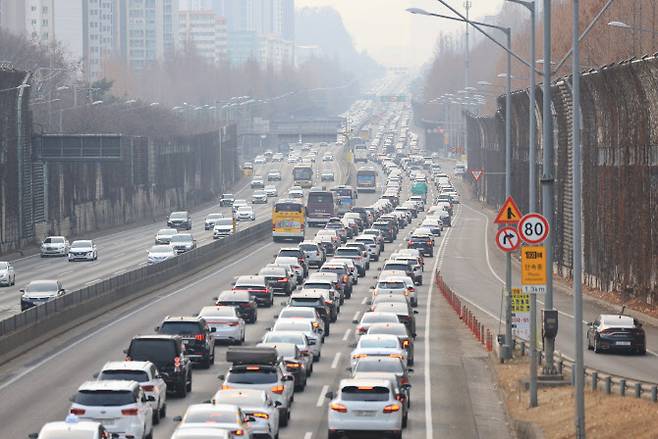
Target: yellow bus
[[288, 220]]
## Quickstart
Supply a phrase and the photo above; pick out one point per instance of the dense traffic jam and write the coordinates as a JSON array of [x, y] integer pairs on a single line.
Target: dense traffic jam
[[128, 397]]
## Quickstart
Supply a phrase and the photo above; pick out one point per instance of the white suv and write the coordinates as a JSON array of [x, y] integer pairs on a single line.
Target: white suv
[[364, 405], [146, 374], [121, 406]]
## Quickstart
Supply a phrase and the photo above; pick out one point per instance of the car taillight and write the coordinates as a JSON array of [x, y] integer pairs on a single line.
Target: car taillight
[[278, 389], [130, 412], [244, 305], [176, 364], [345, 278], [284, 280], [315, 325], [395, 355], [328, 302], [200, 337], [429, 242], [226, 387], [340, 408], [361, 330], [392, 408], [77, 412], [358, 356], [293, 365], [404, 380], [233, 323], [410, 242], [261, 415], [238, 432], [405, 343], [148, 388]]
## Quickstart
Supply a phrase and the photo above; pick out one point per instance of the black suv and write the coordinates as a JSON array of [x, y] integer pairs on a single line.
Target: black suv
[[257, 287], [180, 220], [243, 302], [315, 300], [168, 354], [279, 278], [387, 229], [196, 335], [423, 243]]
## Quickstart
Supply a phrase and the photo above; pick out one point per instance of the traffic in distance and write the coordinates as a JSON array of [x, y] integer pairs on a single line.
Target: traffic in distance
[[314, 276]]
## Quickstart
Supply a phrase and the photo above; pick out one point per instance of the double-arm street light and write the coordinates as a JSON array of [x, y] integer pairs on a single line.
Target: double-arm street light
[[507, 347]]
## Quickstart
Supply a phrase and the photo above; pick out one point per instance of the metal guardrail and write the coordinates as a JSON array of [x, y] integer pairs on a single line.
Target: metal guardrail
[[21, 329]]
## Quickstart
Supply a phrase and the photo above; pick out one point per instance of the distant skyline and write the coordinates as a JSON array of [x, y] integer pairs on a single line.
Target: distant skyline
[[393, 36]]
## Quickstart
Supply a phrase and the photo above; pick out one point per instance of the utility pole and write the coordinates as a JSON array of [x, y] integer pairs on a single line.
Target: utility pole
[[467, 6], [548, 179]]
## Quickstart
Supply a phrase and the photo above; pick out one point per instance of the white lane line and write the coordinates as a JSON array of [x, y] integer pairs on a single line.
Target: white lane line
[[308, 435], [363, 302], [347, 334], [117, 273], [429, 431], [92, 334], [356, 315], [334, 363], [93, 281], [65, 272], [321, 398]]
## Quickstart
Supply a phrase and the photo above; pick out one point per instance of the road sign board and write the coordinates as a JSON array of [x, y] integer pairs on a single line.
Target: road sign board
[[520, 314], [477, 173], [533, 265], [509, 213], [533, 228], [507, 239], [534, 289]]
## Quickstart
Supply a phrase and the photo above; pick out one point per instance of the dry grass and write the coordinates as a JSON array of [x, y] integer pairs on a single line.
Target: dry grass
[[613, 417]]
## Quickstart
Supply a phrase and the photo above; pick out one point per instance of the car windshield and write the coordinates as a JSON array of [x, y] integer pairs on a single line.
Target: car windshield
[[252, 375], [214, 216], [81, 244], [54, 240], [388, 329], [395, 266], [391, 285], [41, 287], [280, 272], [178, 215], [66, 434], [308, 247], [281, 337], [379, 365], [161, 249], [4, 265], [218, 311], [181, 237], [210, 417], [320, 285], [158, 351], [297, 313], [104, 398], [167, 232], [182, 328], [379, 317], [224, 222], [228, 196], [350, 251], [124, 375], [365, 393], [378, 343]]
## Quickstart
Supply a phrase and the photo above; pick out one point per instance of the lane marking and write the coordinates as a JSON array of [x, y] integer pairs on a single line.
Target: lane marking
[[356, 315], [321, 398], [334, 363], [92, 334], [347, 334], [308, 435], [91, 282], [365, 299]]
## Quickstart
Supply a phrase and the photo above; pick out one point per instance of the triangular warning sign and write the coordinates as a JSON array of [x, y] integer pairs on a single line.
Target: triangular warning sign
[[509, 213], [476, 173]]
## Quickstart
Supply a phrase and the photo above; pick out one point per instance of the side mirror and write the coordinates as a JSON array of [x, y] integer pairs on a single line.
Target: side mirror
[[33, 435], [157, 328], [356, 322], [352, 345], [406, 386], [277, 403], [288, 378], [213, 329], [150, 398], [276, 316], [22, 290], [330, 395], [249, 419], [96, 375], [72, 398], [410, 370], [415, 312], [208, 402], [413, 335], [372, 287], [221, 377], [348, 369], [177, 418], [125, 351]]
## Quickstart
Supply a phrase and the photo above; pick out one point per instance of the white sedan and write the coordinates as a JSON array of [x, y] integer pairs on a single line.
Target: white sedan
[[270, 190], [296, 193], [255, 403], [378, 345], [226, 323], [246, 213]]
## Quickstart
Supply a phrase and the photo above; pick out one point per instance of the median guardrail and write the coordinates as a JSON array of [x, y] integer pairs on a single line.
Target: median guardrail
[[25, 329]]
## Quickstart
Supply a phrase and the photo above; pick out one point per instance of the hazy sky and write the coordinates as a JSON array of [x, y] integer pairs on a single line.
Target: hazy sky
[[392, 35]]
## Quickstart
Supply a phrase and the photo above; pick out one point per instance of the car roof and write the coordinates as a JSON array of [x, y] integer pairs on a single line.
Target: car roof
[[156, 337], [356, 382], [309, 293], [250, 278], [127, 365], [64, 426], [617, 320], [180, 319], [110, 385]]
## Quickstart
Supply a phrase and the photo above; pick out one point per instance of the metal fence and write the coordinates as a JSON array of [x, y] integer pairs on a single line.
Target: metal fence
[[620, 171]]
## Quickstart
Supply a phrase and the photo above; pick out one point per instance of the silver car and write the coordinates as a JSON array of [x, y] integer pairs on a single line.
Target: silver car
[[160, 253], [83, 250], [229, 327], [211, 220], [183, 242], [55, 246], [164, 236], [314, 252], [7, 274]]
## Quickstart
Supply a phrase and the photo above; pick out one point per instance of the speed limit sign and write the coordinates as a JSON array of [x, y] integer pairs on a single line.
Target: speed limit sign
[[533, 228]]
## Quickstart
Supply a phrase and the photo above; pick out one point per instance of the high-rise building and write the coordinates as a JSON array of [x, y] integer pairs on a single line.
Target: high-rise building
[[100, 20], [12, 16], [203, 32], [40, 20]]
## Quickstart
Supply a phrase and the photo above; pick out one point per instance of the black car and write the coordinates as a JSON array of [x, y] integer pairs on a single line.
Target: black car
[[278, 278], [168, 354], [616, 332], [226, 200], [422, 242], [363, 213], [195, 333], [180, 220], [344, 280], [386, 228], [243, 302], [257, 287], [315, 300]]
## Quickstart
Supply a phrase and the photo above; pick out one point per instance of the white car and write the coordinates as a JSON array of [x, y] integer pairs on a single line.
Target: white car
[[71, 427], [270, 190], [378, 345], [246, 213], [148, 377], [260, 160], [229, 327], [256, 404], [7, 274], [211, 220], [83, 250], [274, 176], [164, 236], [160, 253], [296, 193], [306, 327], [202, 433], [221, 416], [367, 405], [238, 204], [54, 246], [315, 256], [223, 227], [121, 406], [368, 318], [259, 197]]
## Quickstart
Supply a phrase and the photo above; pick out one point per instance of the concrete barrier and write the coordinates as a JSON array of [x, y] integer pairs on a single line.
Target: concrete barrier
[[22, 331]]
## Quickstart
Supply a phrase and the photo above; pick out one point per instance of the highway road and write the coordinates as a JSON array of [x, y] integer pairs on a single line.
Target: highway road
[[451, 394], [476, 270], [120, 251]]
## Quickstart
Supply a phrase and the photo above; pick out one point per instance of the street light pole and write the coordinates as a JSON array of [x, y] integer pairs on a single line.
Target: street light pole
[[577, 235]]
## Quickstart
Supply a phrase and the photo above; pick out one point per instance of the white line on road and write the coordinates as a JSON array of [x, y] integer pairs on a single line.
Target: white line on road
[[363, 302], [92, 334], [308, 435], [93, 281], [334, 363], [347, 334], [356, 315], [321, 398]]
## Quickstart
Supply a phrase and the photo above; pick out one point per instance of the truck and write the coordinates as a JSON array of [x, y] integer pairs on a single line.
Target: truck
[[419, 188]]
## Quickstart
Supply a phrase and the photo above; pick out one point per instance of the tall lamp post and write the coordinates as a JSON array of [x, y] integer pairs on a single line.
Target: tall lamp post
[[507, 347]]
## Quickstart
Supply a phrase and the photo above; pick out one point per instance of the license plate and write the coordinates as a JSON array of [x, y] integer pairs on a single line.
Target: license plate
[[623, 343], [364, 413]]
